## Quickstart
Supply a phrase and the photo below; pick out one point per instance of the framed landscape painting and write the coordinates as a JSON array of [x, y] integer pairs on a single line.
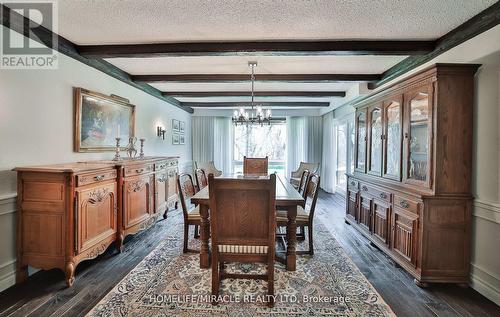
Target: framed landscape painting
[[175, 138], [175, 125], [100, 119]]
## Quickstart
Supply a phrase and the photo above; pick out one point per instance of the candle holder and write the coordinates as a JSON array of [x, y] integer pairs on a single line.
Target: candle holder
[[141, 153], [117, 150]]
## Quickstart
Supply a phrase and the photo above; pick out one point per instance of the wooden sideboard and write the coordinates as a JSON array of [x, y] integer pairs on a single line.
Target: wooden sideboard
[[68, 213], [410, 192]]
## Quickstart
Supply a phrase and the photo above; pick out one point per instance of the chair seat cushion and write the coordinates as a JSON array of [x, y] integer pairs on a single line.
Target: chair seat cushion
[[194, 214], [302, 215], [248, 249]]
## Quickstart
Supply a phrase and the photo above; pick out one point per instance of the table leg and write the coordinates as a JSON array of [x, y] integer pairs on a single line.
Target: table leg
[[205, 235], [291, 233]]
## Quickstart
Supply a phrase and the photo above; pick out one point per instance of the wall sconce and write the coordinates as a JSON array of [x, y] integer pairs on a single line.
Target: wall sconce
[[160, 132]]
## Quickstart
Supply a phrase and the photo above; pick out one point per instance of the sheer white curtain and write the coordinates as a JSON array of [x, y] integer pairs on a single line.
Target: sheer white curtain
[[314, 139], [329, 157], [223, 144], [203, 138], [296, 143], [213, 141], [304, 141]]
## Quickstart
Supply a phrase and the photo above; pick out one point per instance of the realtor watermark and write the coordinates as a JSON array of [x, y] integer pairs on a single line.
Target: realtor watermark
[[29, 34], [161, 299]]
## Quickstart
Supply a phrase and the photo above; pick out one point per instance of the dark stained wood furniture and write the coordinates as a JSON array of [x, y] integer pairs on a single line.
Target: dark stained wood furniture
[[303, 182], [242, 226], [305, 215], [72, 212], [287, 198], [201, 178], [410, 193], [296, 175], [190, 213], [255, 165]]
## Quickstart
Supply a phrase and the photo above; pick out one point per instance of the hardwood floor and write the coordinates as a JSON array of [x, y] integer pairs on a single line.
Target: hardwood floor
[[45, 293]]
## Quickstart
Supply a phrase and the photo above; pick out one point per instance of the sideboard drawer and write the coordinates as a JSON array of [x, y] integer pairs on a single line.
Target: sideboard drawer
[[406, 204], [86, 179], [380, 194], [159, 166], [138, 170], [353, 184]]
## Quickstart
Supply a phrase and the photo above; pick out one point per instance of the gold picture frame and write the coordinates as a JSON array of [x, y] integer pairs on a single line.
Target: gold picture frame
[[99, 119]]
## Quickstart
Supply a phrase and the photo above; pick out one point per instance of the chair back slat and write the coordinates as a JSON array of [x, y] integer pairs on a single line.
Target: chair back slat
[[201, 178], [255, 165], [186, 190], [303, 183], [242, 211], [311, 193]]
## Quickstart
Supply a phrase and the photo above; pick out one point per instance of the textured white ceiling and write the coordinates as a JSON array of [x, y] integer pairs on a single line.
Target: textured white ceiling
[[266, 64], [146, 21]]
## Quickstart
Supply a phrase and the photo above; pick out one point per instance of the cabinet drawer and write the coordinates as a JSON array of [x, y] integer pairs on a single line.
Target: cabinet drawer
[[86, 179], [138, 170], [353, 184], [161, 165], [406, 204], [380, 194]]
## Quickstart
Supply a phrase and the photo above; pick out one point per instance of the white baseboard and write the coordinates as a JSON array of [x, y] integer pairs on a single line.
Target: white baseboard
[[7, 275], [485, 283], [8, 268]]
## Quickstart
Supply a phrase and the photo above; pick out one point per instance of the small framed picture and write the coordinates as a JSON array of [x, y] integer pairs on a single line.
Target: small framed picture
[[175, 125], [181, 139], [182, 126], [175, 138]]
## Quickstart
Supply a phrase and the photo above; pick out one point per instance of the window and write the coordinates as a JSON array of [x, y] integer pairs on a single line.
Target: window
[[341, 132], [257, 141]]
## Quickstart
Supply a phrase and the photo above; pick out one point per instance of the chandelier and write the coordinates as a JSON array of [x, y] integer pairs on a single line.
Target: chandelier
[[257, 116]]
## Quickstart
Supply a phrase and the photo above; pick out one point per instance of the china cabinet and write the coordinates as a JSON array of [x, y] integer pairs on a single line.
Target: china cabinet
[[69, 213], [410, 192]]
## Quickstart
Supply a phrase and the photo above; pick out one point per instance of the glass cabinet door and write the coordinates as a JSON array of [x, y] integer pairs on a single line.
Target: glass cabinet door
[[375, 153], [417, 136], [392, 135], [361, 142]]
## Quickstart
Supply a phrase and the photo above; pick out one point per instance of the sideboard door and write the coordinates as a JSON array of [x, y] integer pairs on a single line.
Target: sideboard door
[[96, 215], [404, 234], [365, 212], [172, 187], [381, 221], [161, 191], [137, 199]]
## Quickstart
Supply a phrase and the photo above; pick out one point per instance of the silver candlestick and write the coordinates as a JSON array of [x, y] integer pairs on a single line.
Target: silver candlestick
[[117, 150], [141, 154]]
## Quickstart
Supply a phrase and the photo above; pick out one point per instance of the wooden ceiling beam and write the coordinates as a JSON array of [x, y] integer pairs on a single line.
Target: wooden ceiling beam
[[303, 78], [200, 94], [263, 104], [262, 48]]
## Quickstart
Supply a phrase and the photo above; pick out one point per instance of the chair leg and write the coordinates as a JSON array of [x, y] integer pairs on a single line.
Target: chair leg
[[270, 285], [186, 237], [311, 244], [215, 278], [302, 233], [196, 232]]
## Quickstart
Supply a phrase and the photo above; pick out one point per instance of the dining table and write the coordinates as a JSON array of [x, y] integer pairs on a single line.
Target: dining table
[[287, 198]]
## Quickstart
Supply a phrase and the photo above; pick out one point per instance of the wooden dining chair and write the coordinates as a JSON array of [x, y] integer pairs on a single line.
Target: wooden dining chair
[[190, 212], [201, 178], [303, 182], [255, 165], [243, 225], [305, 215]]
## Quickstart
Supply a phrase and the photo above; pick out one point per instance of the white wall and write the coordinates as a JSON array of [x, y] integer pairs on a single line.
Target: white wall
[[36, 127], [485, 263]]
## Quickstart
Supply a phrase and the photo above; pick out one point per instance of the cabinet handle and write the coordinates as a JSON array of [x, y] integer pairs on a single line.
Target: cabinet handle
[[364, 188], [75, 220], [99, 177], [353, 183], [139, 170], [404, 204], [406, 135], [383, 195]]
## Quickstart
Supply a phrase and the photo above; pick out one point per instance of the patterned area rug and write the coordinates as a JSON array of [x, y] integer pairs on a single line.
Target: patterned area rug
[[170, 283]]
